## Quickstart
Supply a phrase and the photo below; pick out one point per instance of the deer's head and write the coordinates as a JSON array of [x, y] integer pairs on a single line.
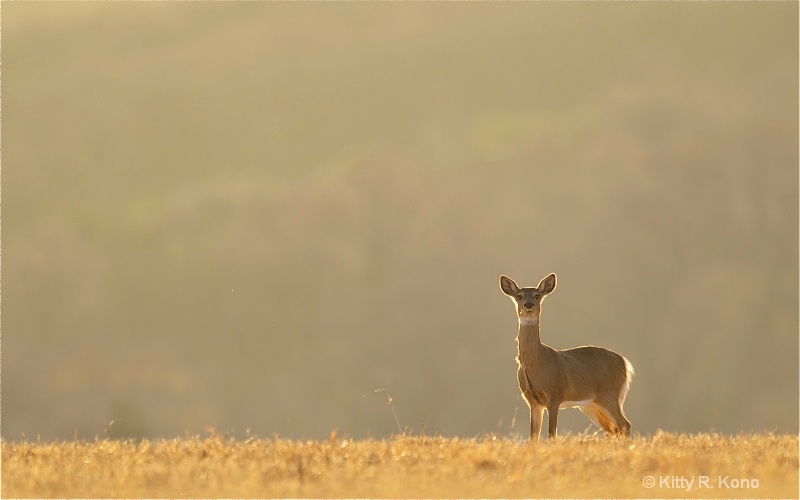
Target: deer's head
[[528, 300]]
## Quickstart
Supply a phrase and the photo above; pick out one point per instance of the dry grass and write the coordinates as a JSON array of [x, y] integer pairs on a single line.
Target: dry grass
[[404, 466]]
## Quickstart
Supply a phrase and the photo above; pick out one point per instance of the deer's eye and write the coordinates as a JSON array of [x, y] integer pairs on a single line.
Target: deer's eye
[[519, 296]]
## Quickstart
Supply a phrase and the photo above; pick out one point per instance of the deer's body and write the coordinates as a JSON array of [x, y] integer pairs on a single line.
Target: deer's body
[[592, 378]]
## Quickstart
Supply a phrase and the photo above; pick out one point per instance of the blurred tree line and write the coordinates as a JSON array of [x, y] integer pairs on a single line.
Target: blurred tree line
[[255, 220]]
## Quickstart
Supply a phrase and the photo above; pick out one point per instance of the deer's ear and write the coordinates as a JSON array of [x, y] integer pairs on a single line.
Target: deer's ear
[[508, 286], [548, 284]]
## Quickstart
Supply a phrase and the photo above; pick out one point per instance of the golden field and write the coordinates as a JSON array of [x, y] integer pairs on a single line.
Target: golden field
[[746, 465]]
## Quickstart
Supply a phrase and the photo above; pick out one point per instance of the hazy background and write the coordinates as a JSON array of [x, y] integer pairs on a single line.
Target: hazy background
[[253, 216]]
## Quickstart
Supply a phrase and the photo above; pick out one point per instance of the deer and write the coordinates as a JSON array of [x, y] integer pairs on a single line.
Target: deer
[[594, 379]]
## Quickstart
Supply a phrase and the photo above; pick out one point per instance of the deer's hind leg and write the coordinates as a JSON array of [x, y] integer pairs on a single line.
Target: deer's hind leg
[[612, 418], [599, 416], [623, 425], [591, 412]]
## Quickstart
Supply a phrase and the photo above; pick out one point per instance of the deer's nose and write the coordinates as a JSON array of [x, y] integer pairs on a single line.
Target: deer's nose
[[528, 304]]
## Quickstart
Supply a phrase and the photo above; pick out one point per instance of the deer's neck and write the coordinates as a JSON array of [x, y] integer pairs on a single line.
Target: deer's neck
[[528, 341]]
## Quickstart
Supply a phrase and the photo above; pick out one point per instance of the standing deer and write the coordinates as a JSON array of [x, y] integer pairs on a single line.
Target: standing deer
[[592, 378]]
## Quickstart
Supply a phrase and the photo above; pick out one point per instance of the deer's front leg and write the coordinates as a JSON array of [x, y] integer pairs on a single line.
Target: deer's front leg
[[552, 421], [537, 415], [534, 401]]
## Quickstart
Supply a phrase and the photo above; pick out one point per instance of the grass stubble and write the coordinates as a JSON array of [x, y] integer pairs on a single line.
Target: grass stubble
[[742, 466]]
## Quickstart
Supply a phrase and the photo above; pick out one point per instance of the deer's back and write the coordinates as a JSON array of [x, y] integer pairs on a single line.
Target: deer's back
[[596, 369]]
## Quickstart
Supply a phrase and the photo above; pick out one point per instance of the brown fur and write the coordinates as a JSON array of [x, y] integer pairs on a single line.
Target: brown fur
[[595, 377]]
